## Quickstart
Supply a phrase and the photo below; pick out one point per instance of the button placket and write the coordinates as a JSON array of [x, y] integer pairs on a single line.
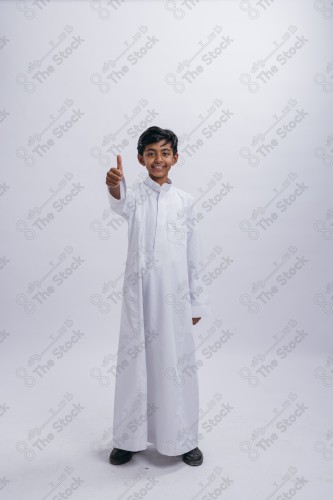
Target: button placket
[[160, 237]]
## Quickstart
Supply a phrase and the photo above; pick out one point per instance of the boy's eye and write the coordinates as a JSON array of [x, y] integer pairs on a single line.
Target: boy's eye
[[165, 153]]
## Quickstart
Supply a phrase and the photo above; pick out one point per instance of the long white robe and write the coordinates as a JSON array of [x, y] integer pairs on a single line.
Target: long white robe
[[156, 389]]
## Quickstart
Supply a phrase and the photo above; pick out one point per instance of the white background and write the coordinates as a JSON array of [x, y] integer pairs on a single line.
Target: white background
[[229, 78]]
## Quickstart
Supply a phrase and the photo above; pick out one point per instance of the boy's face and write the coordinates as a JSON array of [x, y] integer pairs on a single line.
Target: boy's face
[[158, 158]]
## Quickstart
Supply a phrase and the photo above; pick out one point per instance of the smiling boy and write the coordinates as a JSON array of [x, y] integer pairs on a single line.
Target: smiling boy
[[156, 391]]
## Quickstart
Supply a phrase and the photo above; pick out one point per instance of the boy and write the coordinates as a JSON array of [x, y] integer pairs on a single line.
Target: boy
[[156, 389]]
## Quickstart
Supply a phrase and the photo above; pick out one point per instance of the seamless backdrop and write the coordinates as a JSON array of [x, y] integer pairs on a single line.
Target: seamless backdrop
[[248, 87]]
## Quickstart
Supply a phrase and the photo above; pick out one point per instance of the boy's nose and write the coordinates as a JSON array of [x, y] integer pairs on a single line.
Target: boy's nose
[[159, 158]]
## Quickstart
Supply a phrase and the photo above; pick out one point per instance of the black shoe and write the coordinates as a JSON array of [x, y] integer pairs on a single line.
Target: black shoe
[[118, 456], [193, 457]]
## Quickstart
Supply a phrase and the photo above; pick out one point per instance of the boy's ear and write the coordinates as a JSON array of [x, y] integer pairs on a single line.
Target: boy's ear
[[175, 157], [140, 159]]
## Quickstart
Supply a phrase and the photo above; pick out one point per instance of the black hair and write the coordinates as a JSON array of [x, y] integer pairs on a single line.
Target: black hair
[[156, 134]]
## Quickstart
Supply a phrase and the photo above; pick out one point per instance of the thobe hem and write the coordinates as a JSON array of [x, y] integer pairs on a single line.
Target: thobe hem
[[158, 450]]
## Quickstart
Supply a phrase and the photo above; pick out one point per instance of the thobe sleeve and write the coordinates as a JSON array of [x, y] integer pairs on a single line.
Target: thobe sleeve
[[121, 206], [200, 300]]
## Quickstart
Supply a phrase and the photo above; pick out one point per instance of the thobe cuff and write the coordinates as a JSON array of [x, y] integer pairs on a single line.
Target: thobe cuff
[[122, 192], [119, 206], [201, 310]]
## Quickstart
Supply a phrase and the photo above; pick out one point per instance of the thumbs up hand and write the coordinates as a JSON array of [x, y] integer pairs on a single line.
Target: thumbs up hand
[[115, 175]]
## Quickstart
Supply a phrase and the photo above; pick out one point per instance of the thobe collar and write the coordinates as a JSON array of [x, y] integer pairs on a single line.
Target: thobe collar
[[155, 185]]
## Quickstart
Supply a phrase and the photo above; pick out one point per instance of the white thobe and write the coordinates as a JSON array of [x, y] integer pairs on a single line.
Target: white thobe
[[156, 388]]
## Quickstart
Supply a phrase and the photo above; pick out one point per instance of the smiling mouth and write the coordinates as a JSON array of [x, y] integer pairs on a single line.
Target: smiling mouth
[[159, 167]]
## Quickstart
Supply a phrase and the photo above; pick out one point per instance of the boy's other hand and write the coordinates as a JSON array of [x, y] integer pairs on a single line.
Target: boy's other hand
[[114, 175], [195, 320]]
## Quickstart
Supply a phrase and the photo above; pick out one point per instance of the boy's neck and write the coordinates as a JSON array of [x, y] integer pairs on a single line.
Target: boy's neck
[[159, 180]]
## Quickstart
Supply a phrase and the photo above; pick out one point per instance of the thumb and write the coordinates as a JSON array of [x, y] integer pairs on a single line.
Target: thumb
[[119, 164]]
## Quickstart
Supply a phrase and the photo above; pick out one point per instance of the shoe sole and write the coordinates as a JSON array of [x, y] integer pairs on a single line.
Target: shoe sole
[[118, 462], [190, 462]]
